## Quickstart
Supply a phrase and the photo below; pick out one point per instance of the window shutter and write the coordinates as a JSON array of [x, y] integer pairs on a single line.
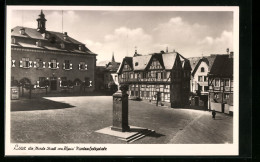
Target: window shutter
[[21, 63], [13, 63], [58, 65], [86, 67], [70, 66], [43, 64], [63, 65], [34, 64], [90, 83], [37, 83], [30, 64], [79, 66], [49, 64]]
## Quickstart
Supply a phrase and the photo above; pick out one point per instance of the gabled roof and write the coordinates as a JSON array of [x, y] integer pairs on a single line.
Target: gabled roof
[[222, 66], [129, 61], [169, 60], [156, 56], [112, 66], [193, 62], [196, 61]]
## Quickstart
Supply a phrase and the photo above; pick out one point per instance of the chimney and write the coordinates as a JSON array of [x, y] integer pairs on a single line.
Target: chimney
[[174, 51], [231, 55], [227, 50], [166, 49], [22, 31], [65, 35]]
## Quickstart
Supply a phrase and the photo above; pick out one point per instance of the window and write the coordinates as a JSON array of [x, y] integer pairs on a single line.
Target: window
[[200, 79], [226, 96], [206, 88], [202, 69], [25, 62], [82, 66], [13, 63], [136, 63], [63, 82], [62, 45], [216, 95], [226, 82], [205, 78], [217, 82], [66, 64], [39, 63], [159, 75], [38, 43], [42, 81], [131, 75], [231, 83], [136, 75], [53, 64]]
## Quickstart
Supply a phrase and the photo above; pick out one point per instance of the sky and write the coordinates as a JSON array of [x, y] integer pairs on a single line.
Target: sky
[[191, 33]]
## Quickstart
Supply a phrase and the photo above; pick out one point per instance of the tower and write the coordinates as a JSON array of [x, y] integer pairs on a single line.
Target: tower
[[41, 23]]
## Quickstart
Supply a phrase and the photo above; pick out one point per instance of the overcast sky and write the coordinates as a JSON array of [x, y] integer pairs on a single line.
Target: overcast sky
[[104, 32]]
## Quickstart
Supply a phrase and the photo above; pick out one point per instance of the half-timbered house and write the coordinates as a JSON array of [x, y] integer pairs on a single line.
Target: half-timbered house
[[167, 74], [221, 84]]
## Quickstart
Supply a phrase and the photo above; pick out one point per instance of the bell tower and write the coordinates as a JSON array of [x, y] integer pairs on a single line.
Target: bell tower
[[41, 23]]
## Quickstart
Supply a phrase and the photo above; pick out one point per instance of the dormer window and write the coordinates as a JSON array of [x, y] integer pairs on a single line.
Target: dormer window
[[38, 43], [81, 47], [62, 45], [22, 31], [45, 35]]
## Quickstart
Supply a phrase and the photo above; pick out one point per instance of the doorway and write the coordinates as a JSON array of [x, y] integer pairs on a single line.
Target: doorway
[[53, 83]]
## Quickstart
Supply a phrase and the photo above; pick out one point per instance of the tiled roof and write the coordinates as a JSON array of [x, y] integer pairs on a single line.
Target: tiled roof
[[32, 35], [193, 62], [222, 66], [167, 61], [140, 62], [112, 66]]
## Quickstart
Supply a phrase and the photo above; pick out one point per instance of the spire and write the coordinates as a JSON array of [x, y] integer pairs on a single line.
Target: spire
[[41, 23], [113, 58], [135, 50]]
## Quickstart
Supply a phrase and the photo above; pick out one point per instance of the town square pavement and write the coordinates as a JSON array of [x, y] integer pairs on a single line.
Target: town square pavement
[[75, 120]]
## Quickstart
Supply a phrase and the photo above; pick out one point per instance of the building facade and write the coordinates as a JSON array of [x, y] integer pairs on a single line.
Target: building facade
[[50, 61], [221, 84], [163, 74], [107, 76], [199, 76]]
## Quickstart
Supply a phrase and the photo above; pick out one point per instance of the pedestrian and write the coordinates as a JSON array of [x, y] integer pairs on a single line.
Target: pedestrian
[[158, 98], [213, 114]]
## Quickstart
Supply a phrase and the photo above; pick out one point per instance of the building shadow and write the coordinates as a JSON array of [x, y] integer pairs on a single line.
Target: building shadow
[[37, 104]]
